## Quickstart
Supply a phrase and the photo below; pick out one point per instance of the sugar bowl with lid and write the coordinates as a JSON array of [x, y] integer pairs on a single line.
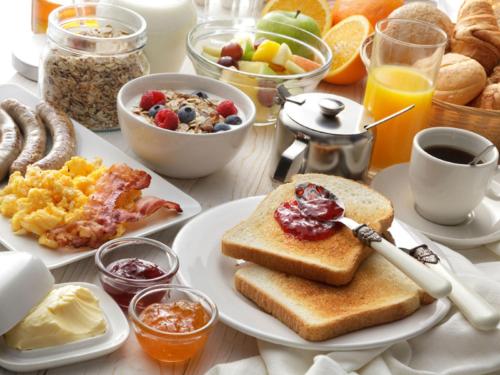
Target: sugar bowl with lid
[[323, 133]]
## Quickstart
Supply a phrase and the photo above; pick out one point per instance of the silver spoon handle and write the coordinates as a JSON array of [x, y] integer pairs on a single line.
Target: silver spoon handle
[[478, 157], [390, 117]]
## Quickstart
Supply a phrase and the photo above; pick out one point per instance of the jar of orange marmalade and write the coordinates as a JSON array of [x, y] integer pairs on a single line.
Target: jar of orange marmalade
[[172, 322]]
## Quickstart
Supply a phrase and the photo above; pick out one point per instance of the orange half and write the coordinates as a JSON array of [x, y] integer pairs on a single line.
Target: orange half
[[345, 40]]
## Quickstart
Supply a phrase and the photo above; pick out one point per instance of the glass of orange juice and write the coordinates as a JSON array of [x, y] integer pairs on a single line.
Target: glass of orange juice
[[404, 63]]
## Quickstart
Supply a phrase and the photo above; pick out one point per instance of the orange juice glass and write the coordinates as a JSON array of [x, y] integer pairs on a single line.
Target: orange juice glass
[[404, 63]]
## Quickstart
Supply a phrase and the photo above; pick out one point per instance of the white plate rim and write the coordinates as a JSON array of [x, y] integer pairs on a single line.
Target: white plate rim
[[443, 303], [193, 205], [461, 243], [115, 319]]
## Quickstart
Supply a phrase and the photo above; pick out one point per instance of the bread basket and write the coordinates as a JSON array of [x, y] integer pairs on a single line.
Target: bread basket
[[481, 121]]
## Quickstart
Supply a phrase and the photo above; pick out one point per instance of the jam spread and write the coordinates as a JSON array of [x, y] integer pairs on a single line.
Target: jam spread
[[175, 317], [136, 269], [176, 322], [311, 215], [132, 269]]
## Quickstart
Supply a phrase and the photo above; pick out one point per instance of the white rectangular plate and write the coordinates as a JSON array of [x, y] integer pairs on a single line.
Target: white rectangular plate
[[90, 146]]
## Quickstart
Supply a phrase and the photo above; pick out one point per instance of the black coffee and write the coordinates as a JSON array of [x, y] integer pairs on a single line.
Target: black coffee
[[451, 154]]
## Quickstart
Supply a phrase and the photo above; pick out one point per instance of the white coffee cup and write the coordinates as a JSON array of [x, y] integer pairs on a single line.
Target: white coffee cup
[[445, 192]]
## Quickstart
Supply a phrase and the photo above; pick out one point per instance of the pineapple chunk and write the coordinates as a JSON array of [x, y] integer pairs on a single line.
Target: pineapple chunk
[[266, 51]]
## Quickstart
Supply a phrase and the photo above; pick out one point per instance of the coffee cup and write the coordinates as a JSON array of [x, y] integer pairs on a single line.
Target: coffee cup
[[445, 188]]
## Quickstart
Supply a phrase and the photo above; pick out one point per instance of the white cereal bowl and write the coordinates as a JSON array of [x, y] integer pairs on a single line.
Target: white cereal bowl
[[176, 154]]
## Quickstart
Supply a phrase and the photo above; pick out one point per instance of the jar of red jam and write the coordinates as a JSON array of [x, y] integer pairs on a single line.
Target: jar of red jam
[[172, 322], [130, 264]]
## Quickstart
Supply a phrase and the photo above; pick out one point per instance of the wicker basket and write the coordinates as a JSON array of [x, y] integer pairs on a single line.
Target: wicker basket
[[481, 121]]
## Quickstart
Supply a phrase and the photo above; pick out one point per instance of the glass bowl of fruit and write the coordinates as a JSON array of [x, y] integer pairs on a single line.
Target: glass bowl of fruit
[[257, 57]]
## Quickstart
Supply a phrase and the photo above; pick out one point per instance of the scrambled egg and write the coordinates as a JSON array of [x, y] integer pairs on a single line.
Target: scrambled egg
[[45, 199]]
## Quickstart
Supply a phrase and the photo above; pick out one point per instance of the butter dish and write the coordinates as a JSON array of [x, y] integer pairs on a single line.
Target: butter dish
[[24, 283]]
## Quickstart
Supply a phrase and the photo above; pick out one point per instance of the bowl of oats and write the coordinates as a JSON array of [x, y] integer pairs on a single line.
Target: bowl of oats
[[182, 125]]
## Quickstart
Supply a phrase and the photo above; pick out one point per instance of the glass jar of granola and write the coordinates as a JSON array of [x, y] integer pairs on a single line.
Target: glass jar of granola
[[93, 49]]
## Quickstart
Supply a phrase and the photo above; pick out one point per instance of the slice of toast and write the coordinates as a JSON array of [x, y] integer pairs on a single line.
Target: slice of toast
[[379, 293], [334, 260]]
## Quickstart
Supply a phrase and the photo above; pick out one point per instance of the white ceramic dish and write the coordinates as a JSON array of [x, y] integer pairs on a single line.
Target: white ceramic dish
[[33, 360], [90, 145], [482, 228], [176, 154], [198, 248]]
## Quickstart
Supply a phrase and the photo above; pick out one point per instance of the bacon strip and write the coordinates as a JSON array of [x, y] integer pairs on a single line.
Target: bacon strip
[[102, 217]]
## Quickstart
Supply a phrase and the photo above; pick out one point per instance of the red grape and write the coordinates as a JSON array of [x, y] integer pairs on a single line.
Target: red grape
[[227, 61], [232, 50], [266, 93]]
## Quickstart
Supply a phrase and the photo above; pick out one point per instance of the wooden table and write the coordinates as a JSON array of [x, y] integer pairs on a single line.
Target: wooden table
[[246, 175]]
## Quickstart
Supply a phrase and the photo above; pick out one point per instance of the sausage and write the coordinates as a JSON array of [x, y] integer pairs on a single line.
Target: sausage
[[34, 134], [11, 143], [63, 137]]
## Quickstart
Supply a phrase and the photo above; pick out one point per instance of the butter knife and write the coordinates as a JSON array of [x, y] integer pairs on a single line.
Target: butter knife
[[475, 308]]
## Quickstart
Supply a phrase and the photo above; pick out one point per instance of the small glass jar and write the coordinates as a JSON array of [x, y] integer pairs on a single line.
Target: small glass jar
[[167, 346], [123, 289], [93, 49]]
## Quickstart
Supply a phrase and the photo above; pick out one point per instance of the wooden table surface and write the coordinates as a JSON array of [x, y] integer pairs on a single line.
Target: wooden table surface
[[246, 175]]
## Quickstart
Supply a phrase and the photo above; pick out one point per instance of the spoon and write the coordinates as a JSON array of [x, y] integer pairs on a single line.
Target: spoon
[[477, 159], [320, 204], [390, 117]]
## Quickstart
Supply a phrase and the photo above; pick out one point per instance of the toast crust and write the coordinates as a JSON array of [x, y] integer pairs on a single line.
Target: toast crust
[[334, 260]]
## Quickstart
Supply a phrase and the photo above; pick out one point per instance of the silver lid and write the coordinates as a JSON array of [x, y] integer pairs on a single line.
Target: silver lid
[[323, 113]]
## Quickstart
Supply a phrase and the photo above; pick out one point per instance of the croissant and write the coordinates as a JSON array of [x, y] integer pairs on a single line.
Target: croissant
[[477, 33], [489, 98]]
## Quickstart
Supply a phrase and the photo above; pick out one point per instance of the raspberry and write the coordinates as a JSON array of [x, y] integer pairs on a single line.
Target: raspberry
[[150, 98], [167, 119], [226, 108]]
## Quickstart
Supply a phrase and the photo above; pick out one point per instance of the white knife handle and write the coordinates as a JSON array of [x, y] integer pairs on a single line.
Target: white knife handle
[[427, 279], [475, 308], [423, 276]]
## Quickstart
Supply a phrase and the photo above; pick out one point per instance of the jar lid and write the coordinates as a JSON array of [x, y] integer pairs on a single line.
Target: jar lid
[[24, 282], [327, 114], [97, 28]]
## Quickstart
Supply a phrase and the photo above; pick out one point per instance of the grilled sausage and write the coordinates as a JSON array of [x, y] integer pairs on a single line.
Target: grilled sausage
[[11, 143], [34, 134], [63, 136]]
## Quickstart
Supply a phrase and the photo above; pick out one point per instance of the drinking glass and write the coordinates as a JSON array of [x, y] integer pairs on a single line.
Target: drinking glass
[[228, 9], [404, 63], [40, 10]]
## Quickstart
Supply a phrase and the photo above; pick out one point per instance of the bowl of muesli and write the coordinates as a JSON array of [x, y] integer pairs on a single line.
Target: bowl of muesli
[[182, 125]]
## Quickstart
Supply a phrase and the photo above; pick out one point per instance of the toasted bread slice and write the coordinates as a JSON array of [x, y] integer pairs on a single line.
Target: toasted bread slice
[[334, 260], [379, 293]]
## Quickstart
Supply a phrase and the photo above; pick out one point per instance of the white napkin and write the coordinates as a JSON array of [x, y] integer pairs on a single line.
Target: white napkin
[[451, 347]]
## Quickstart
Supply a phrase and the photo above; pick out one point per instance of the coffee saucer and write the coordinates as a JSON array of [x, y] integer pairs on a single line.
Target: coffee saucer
[[482, 227]]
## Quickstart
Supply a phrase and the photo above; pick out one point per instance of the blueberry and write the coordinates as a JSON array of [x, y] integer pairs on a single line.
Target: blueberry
[[233, 120], [221, 127], [186, 114], [200, 94], [154, 110]]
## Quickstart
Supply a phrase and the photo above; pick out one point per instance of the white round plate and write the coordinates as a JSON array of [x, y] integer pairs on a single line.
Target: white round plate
[[204, 267], [482, 228]]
